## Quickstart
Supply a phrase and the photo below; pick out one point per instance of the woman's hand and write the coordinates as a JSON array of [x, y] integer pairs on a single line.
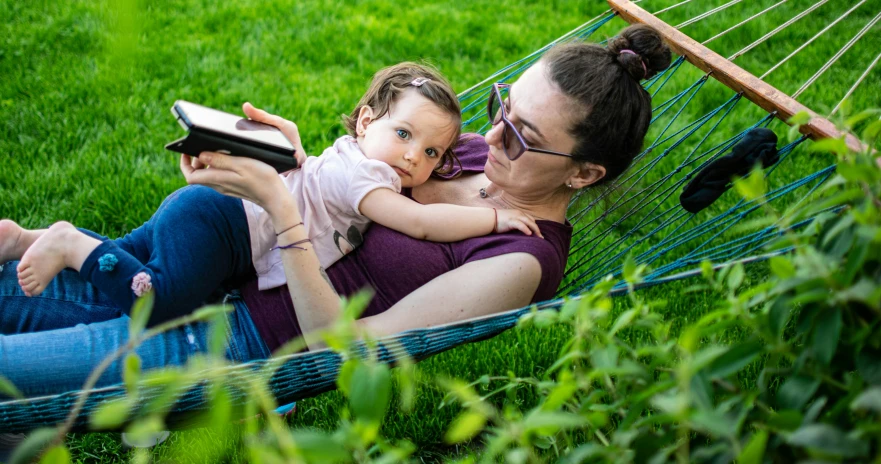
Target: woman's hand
[[242, 177], [238, 177]]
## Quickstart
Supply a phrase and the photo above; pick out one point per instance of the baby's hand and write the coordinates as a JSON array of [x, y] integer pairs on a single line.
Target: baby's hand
[[514, 219]]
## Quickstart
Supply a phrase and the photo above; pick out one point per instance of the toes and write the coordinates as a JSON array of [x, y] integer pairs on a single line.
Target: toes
[[37, 290]]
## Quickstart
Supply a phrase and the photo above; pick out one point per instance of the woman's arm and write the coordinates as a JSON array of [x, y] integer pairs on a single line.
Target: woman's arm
[[475, 289], [257, 182], [441, 222]]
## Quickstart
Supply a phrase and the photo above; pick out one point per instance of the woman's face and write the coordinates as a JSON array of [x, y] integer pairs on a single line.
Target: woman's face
[[541, 113]]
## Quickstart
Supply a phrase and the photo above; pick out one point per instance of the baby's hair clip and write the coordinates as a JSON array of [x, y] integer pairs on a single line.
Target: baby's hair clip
[[419, 81]]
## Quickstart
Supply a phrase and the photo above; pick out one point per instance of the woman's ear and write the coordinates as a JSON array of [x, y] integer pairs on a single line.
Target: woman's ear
[[587, 174], [365, 117]]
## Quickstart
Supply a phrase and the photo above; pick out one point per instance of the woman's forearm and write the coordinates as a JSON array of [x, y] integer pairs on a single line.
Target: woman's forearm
[[316, 303]]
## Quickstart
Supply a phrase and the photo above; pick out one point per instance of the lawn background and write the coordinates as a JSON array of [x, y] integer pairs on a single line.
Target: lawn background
[[86, 87]]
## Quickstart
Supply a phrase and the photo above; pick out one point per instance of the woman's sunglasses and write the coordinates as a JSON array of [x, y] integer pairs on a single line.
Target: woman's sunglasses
[[512, 140]]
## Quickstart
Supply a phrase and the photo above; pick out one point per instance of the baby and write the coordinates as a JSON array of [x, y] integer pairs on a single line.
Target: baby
[[402, 131]]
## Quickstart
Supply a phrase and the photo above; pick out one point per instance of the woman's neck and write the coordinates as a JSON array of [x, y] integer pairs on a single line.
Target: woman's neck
[[466, 191], [551, 207]]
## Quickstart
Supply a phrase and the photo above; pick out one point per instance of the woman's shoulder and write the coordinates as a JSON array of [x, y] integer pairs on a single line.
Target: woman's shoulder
[[551, 252]]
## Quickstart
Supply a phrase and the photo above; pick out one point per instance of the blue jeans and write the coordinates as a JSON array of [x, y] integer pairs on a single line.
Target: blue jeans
[[196, 242], [50, 343]]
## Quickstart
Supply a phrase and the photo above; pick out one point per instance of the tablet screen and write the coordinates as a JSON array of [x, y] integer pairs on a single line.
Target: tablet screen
[[230, 124]]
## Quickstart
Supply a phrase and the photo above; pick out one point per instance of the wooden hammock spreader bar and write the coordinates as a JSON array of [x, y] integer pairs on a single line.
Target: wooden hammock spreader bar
[[757, 91]]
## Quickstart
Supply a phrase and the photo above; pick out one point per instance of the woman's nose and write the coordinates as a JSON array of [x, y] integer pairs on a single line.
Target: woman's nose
[[494, 135]]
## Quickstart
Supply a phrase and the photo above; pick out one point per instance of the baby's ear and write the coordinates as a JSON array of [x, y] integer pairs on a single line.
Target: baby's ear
[[365, 117]]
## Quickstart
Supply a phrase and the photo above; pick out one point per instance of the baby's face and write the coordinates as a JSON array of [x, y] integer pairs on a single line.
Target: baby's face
[[410, 138]]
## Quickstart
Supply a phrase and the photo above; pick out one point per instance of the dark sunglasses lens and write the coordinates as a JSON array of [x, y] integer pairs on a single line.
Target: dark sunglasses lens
[[513, 147], [495, 109]]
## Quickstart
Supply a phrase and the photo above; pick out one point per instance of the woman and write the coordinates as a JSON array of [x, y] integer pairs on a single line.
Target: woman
[[576, 119]]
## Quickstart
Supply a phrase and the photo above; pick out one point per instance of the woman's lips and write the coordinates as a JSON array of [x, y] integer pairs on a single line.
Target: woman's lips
[[493, 159]]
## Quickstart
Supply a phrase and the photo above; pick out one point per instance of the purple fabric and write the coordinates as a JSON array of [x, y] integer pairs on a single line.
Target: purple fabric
[[394, 264]]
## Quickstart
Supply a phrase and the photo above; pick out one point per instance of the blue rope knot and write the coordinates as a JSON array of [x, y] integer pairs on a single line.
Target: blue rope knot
[[107, 262]]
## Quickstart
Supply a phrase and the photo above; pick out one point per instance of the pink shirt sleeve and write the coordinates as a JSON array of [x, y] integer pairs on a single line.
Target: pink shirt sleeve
[[368, 176]]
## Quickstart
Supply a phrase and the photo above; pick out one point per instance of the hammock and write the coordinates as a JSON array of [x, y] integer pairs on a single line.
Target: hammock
[[640, 217]]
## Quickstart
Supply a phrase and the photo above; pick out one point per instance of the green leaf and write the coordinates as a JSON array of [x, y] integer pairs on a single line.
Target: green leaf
[[782, 267], [778, 315], [465, 426], [829, 440], [559, 395], [33, 445], [145, 430], [344, 379], [707, 269], [873, 130], [753, 186], [629, 269], [796, 391], [605, 357], [131, 372], [869, 400], [549, 422], [735, 359], [754, 451], [370, 391], [735, 277], [207, 313], [623, 320], [217, 335], [318, 446], [826, 334], [8, 389], [140, 314], [799, 119], [786, 420], [830, 145], [56, 455], [112, 414], [713, 423], [869, 365]]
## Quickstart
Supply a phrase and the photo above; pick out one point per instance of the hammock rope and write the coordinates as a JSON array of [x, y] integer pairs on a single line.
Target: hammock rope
[[838, 55], [744, 22], [808, 42], [855, 85], [639, 217], [777, 29]]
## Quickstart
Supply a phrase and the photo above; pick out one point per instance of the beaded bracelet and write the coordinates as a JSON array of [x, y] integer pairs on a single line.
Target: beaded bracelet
[[292, 245], [289, 228]]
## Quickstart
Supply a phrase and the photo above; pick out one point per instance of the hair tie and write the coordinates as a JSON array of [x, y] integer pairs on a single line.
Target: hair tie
[[641, 61], [419, 81]]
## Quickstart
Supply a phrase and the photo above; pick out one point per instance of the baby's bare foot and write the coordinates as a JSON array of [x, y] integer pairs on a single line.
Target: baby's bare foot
[[15, 240], [45, 258]]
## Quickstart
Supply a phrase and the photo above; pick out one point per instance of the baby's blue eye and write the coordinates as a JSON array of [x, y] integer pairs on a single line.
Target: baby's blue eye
[[431, 152], [403, 134]]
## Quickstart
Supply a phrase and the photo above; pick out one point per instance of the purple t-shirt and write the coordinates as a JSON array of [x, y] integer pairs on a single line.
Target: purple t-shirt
[[394, 264]]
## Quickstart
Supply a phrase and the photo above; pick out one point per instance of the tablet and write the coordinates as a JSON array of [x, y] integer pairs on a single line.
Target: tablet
[[218, 131]]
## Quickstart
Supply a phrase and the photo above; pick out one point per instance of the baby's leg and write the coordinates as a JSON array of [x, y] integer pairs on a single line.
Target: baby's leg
[[15, 240], [60, 247], [196, 240]]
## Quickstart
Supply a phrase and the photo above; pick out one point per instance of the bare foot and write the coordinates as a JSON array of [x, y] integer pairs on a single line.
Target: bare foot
[[45, 258], [15, 240]]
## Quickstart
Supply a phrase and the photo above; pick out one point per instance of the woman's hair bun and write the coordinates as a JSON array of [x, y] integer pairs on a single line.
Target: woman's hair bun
[[650, 55]]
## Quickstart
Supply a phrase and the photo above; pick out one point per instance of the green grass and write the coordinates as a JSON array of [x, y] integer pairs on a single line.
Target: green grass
[[86, 88]]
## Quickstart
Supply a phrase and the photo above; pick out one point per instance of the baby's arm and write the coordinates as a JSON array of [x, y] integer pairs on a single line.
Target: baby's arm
[[441, 222]]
